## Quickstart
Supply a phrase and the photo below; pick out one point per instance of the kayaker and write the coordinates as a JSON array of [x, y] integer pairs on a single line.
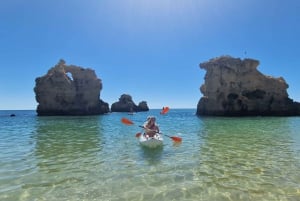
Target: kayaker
[[150, 126]]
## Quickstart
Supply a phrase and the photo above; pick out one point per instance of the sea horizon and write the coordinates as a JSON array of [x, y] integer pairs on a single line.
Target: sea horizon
[[180, 108]]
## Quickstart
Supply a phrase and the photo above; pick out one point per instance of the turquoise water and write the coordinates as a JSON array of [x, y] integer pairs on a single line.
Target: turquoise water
[[99, 158]]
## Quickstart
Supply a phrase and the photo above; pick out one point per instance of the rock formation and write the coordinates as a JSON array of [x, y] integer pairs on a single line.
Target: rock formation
[[69, 90], [126, 104], [234, 87]]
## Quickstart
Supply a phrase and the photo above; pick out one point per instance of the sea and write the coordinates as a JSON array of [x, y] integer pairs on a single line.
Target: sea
[[99, 158]]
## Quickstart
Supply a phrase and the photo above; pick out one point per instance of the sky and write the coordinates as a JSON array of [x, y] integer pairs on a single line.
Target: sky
[[150, 49]]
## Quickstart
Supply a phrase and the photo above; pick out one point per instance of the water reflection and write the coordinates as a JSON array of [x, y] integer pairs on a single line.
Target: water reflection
[[152, 156], [65, 150], [248, 158], [67, 136], [16, 152]]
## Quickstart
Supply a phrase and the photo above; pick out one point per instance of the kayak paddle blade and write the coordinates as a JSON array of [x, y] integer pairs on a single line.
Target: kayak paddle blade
[[176, 139], [164, 110], [126, 121]]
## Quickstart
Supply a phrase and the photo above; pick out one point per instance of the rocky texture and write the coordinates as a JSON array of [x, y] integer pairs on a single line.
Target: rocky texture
[[69, 90], [234, 87], [126, 104]]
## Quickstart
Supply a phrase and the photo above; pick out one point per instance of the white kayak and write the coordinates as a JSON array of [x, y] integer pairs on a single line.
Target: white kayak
[[151, 142]]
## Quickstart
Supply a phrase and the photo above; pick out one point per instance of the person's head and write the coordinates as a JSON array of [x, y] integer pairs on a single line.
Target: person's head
[[151, 119]]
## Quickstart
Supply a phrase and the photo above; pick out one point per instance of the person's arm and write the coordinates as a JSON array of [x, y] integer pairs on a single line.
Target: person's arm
[[146, 128]]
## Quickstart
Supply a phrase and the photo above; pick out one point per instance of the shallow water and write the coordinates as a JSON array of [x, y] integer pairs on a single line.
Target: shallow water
[[99, 158]]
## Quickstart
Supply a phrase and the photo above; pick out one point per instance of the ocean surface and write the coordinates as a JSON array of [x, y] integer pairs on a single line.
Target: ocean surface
[[99, 158]]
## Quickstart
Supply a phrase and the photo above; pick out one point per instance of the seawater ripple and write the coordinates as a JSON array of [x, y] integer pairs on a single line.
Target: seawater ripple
[[98, 158]]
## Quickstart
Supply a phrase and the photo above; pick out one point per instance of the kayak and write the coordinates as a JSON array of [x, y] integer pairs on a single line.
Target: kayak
[[151, 142]]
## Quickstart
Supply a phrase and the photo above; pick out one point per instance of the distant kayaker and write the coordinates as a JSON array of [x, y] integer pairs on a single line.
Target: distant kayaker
[[150, 126]]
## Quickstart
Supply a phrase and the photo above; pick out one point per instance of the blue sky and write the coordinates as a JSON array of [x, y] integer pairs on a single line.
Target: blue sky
[[150, 49]]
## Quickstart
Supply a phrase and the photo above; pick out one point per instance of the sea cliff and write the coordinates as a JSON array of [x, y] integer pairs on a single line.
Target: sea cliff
[[234, 87], [69, 90]]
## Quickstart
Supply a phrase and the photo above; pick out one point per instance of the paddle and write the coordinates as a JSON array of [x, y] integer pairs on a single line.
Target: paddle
[[176, 139], [129, 122], [126, 121], [164, 110]]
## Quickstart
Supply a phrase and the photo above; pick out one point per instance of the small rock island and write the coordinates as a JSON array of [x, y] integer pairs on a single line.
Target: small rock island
[[69, 90], [234, 87], [126, 104]]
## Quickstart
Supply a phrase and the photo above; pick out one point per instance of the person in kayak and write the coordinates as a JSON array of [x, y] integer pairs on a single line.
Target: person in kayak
[[150, 126]]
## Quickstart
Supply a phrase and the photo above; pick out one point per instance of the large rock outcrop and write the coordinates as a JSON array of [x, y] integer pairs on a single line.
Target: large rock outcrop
[[234, 87], [69, 90], [126, 104]]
